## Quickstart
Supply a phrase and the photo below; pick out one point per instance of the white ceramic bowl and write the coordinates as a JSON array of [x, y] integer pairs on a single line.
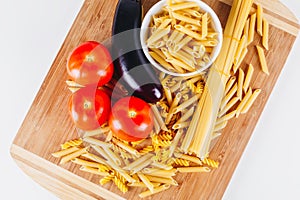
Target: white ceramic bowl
[[204, 8]]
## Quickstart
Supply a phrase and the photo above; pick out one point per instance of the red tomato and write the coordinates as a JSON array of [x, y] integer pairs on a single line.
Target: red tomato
[[131, 119], [90, 63], [89, 107]]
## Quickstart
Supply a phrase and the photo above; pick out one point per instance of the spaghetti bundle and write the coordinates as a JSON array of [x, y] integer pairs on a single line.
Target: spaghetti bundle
[[199, 135]]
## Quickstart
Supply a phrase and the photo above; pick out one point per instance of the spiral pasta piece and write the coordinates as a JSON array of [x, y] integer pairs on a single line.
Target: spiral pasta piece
[[106, 179], [119, 177], [121, 185], [165, 135], [104, 168], [157, 141], [210, 162], [146, 150], [71, 143], [181, 162]]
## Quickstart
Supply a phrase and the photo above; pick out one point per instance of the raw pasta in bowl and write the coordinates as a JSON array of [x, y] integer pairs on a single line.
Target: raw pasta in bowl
[[181, 38]]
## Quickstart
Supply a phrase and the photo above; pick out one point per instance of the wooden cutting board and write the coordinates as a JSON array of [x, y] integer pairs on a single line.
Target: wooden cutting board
[[47, 123]]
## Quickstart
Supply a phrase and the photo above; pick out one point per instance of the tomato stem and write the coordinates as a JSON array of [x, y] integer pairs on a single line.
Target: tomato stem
[[132, 114], [87, 104]]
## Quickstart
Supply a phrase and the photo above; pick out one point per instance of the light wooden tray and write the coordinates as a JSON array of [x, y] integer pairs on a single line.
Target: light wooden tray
[[48, 124]]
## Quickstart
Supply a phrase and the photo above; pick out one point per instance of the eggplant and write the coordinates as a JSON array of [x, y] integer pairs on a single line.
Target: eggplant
[[132, 68]]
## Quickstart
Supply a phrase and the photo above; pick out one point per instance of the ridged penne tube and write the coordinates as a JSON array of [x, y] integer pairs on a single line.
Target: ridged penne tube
[[159, 172], [193, 12], [141, 184], [146, 181], [161, 60], [220, 126], [186, 19], [240, 49], [243, 102], [259, 13], [121, 172], [96, 132], [188, 157], [155, 191], [204, 25], [241, 78], [138, 161], [262, 59], [101, 152], [156, 126], [94, 158], [180, 125], [248, 78], [85, 163], [126, 147], [242, 57], [228, 106], [93, 171], [141, 166], [193, 27], [265, 39], [114, 157], [175, 142], [64, 152], [229, 84], [73, 155], [226, 117], [187, 103], [161, 166], [246, 28], [94, 141], [186, 115], [182, 6], [156, 179], [250, 101], [188, 32], [158, 117], [228, 96], [193, 169], [251, 28], [187, 59], [158, 34]]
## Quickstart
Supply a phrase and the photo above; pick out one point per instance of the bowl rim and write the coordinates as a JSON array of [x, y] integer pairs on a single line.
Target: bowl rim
[[157, 8]]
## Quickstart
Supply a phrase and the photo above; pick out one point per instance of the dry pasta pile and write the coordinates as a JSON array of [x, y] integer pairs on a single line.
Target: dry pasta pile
[[182, 37], [153, 162]]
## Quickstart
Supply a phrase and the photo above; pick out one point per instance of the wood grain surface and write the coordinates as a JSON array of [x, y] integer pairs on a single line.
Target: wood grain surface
[[48, 124]]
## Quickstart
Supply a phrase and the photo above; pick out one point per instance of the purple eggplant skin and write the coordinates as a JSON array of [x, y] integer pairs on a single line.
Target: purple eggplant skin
[[132, 68]]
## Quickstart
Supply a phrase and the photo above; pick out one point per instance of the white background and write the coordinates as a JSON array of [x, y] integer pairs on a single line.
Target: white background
[[31, 34]]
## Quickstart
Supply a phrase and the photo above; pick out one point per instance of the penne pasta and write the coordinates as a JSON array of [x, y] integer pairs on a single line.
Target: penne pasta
[[243, 102], [73, 155], [250, 101], [181, 6], [252, 28], [248, 78], [93, 171], [262, 59], [65, 152], [265, 36], [187, 103], [96, 132], [146, 181], [94, 141], [186, 19], [240, 83], [259, 13], [204, 25], [188, 157], [154, 191], [169, 180], [193, 169]]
